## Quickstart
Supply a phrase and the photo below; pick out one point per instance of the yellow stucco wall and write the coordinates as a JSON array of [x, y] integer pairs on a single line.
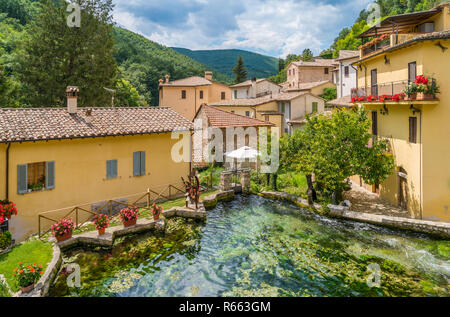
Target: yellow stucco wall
[[171, 97], [426, 162], [319, 90], [80, 173]]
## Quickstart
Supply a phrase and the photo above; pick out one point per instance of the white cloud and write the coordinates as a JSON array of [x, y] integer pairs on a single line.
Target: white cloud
[[275, 27]]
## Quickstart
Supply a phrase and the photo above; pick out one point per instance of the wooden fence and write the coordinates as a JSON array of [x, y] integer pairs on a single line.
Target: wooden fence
[[83, 214]]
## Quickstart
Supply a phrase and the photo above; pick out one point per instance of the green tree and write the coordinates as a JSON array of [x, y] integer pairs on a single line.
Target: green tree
[[329, 94], [307, 55], [333, 149], [127, 96], [54, 55], [240, 71]]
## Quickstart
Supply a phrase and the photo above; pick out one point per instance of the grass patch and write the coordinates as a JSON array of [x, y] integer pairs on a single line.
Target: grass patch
[[4, 290], [292, 183], [28, 252]]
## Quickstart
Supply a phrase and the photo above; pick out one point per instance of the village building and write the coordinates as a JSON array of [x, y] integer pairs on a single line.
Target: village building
[[416, 128], [255, 88], [55, 158], [186, 95], [213, 117], [301, 72], [315, 88], [278, 109]]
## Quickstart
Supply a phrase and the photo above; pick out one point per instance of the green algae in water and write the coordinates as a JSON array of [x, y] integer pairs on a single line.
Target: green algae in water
[[252, 246]]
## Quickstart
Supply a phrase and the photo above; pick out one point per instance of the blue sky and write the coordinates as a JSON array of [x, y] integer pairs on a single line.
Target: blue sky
[[272, 27]]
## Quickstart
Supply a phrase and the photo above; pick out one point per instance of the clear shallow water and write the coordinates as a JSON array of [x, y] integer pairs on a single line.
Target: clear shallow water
[[257, 247]]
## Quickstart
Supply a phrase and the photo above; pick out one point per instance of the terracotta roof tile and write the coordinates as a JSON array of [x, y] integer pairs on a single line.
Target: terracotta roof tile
[[222, 119], [33, 124], [250, 102], [187, 82], [320, 62]]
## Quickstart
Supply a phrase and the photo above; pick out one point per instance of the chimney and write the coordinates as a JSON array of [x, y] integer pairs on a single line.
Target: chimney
[[72, 99], [253, 87], [208, 75], [161, 82], [167, 78], [88, 115]]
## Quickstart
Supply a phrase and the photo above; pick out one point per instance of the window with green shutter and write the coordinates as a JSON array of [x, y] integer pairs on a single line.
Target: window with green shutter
[[139, 163], [33, 177], [111, 169], [315, 107]]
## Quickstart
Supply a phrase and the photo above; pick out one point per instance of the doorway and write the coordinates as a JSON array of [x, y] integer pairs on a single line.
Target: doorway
[[402, 189]]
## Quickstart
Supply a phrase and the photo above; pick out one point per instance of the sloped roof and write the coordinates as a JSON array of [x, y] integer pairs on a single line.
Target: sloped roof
[[188, 82], [318, 62], [346, 54], [308, 86], [249, 83], [222, 119], [441, 35], [250, 102], [34, 124], [345, 101]]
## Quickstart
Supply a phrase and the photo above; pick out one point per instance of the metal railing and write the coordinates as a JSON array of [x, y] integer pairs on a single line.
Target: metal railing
[[169, 192], [389, 88], [375, 47]]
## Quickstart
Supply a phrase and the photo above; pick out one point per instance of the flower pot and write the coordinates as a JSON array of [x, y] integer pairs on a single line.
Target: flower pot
[[156, 217], [64, 237], [27, 289], [428, 97], [8, 217], [101, 231], [411, 97], [129, 223]]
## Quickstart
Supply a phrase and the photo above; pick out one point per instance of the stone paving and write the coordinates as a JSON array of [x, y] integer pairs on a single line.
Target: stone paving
[[365, 201]]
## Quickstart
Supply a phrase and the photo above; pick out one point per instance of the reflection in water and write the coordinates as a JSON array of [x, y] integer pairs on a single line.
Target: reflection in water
[[257, 247]]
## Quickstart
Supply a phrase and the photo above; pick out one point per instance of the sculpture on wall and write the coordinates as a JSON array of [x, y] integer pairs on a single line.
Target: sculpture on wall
[[192, 186]]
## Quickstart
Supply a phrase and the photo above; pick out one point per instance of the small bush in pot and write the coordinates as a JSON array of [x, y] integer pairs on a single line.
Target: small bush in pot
[[5, 240], [27, 276], [156, 211], [101, 222], [63, 229], [129, 216]]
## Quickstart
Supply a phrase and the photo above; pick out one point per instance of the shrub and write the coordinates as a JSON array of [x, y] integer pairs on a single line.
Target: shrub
[[156, 210], [101, 221], [127, 214], [27, 275], [62, 227], [5, 239]]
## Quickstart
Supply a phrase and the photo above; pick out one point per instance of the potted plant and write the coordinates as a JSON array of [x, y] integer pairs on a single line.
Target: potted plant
[[129, 216], [63, 229], [362, 98], [410, 91], [7, 209], [371, 98], [431, 90], [397, 97], [27, 276], [101, 222], [156, 211]]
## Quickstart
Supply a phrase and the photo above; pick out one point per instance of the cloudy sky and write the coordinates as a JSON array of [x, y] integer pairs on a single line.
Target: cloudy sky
[[272, 27]]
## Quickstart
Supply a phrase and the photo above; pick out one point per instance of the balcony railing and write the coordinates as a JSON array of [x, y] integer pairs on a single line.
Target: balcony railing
[[392, 40], [389, 88]]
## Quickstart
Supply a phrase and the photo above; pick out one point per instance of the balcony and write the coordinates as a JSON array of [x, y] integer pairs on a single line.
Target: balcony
[[384, 41], [390, 89]]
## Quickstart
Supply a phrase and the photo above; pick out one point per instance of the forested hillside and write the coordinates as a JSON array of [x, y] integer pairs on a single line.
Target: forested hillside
[[259, 66], [144, 62], [140, 62]]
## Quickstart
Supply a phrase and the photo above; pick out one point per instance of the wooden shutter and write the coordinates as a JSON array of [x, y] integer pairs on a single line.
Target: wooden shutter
[[142, 162], [412, 129], [114, 168], [374, 82], [50, 175], [136, 163], [22, 184], [412, 72], [374, 123], [108, 169]]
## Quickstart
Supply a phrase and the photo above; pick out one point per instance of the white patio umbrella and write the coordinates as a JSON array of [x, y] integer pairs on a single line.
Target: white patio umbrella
[[243, 153]]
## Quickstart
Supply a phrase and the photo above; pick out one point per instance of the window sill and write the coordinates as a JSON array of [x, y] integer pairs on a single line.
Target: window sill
[[36, 191]]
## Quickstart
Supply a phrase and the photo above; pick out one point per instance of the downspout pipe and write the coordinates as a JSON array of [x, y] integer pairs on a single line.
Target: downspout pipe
[[7, 172]]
